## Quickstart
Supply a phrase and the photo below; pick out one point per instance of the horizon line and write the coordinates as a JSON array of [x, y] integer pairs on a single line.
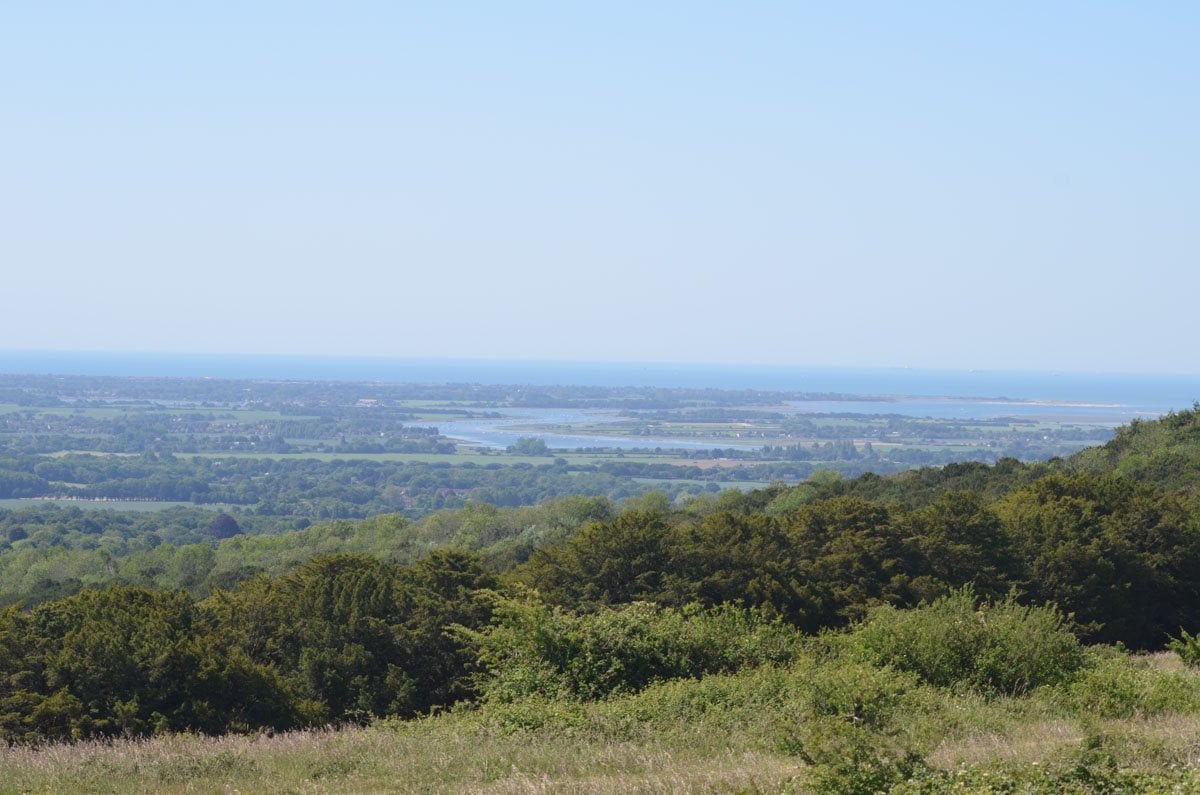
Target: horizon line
[[757, 365]]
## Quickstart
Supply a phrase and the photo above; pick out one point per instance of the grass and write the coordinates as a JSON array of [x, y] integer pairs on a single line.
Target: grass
[[220, 413], [439, 755], [743, 732], [463, 455], [425, 458], [122, 409], [745, 485], [111, 505], [456, 754]]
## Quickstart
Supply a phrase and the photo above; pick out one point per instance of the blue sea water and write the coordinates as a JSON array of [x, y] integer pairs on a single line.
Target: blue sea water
[[1127, 395]]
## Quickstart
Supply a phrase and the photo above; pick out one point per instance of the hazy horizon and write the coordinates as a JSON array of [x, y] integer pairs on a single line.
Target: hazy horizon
[[1157, 391], [553, 361]]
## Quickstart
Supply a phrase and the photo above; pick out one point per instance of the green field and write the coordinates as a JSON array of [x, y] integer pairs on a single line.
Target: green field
[[108, 505], [462, 456], [744, 485]]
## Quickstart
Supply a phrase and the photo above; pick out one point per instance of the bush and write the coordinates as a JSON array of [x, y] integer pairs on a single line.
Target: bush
[[531, 649], [1188, 649], [1003, 648], [1063, 779], [760, 696], [1119, 686], [849, 728]]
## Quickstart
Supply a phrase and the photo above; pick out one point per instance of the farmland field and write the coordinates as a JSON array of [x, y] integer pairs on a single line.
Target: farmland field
[[355, 449]]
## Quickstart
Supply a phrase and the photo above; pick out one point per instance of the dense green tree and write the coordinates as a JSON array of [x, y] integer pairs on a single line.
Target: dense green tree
[[1122, 556], [729, 557], [128, 661], [849, 556], [962, 541], [223, 526], [356, 637], [622, 560], [529, 445]]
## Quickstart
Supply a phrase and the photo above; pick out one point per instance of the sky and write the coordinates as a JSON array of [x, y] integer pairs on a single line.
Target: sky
[[929, 184]]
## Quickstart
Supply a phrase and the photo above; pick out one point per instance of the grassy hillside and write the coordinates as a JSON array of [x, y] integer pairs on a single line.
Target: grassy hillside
[[825, 722]]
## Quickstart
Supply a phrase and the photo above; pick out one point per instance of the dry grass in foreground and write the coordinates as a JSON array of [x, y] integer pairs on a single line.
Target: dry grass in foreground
[[383, 760], [449, 755], [1120, 723]]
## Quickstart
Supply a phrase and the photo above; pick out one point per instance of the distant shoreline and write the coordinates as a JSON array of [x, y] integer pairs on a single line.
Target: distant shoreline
[[1157, 393]]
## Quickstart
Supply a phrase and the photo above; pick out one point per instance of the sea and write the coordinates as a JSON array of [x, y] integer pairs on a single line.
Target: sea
[[1100, 398]]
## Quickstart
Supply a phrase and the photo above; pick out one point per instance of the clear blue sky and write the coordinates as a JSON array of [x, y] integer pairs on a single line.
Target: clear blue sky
[[974, 185]]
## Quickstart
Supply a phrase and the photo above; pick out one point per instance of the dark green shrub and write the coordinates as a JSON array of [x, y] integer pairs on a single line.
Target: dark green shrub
[[848, 727], [850, 760], [1119, 686], [531, 649], [1187, 647], [1002, 648]]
